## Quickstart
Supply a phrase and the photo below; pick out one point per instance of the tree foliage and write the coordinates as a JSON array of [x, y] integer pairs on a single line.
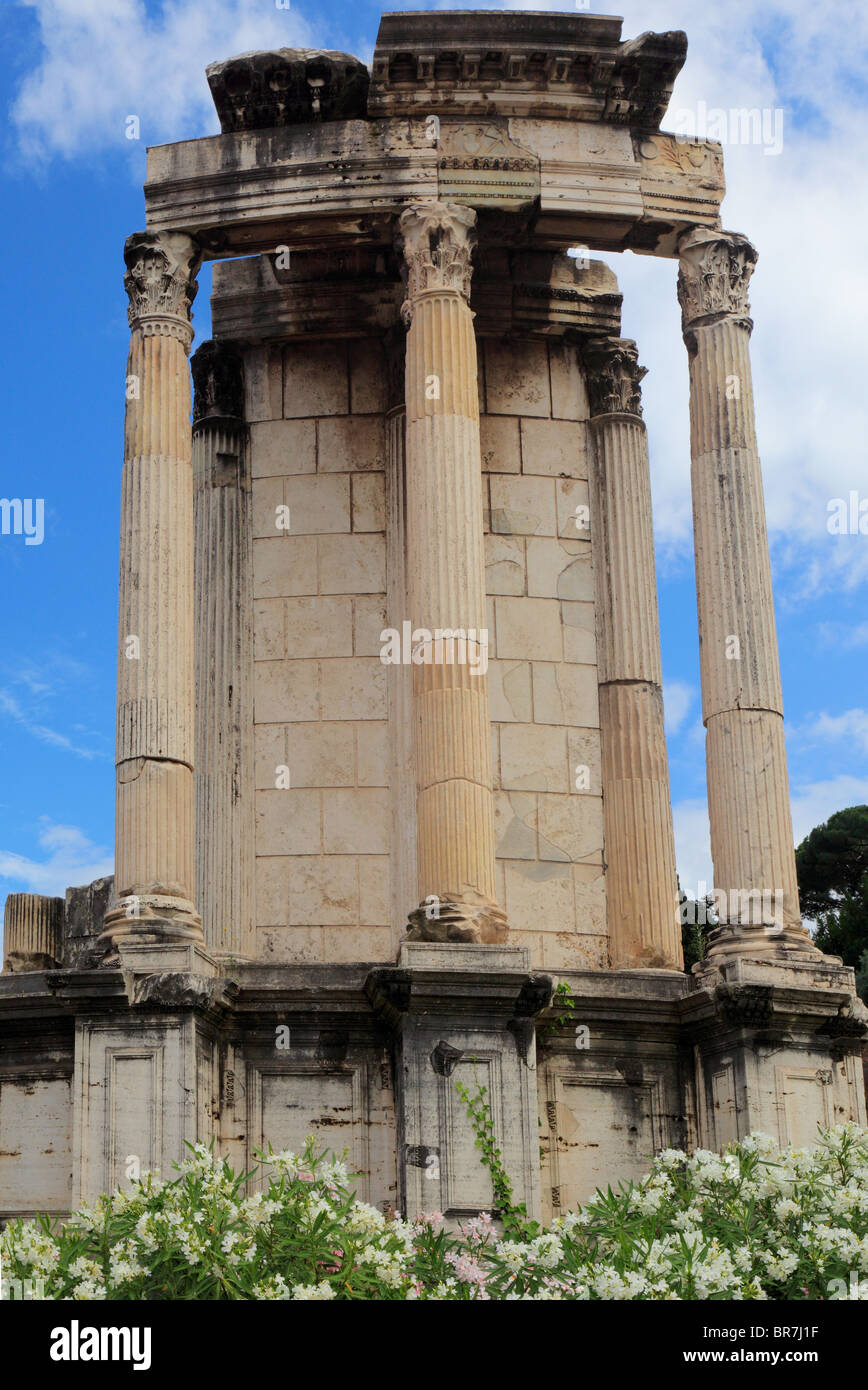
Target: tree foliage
[[832, 868]]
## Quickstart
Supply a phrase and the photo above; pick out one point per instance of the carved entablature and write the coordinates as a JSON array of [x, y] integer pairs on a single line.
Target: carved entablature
[[287, 86], [613, 377], [680, 178], [437, 241], [531, 64], [161, 280], [544, 294], [351, 293], [713, 277], [480, 164], [359, 293]]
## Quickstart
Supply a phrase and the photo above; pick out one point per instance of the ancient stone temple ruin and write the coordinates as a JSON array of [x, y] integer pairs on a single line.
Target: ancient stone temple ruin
[[390, 750]]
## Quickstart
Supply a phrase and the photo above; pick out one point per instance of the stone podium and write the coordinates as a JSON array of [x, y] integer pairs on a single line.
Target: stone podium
[[390, 750]]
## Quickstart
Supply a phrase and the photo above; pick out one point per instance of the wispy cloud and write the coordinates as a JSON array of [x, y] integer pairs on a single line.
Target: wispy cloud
[[812, 804], [71, 858], [105, 60], [851, 726], [810, 398], [678, 697], [12, 708], [844, 635]]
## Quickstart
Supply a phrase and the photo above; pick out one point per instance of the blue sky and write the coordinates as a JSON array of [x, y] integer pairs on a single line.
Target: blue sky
[[76, 69]]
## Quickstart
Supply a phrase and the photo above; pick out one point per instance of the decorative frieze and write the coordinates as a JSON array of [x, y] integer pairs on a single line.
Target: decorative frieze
[[518, 64]]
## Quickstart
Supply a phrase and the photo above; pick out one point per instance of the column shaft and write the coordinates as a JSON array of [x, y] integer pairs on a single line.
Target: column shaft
[[400, 689], [748, 791], [154, 875], [446, 585], [223, 653], [641, 885], [32, 933]]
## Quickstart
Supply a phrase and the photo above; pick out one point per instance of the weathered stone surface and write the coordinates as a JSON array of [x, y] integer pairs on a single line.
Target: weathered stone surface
[[84, 912], [446, 582], [287, 86], [524, 64], [748, 789], [32, 932], [345, 485]]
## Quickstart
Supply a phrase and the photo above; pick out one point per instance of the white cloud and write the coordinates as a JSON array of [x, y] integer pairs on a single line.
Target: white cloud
[[678, 697], [104, 60], [851, 725], [71, 859], [839, 635], [801, 209], [693, 847], [814, 802]]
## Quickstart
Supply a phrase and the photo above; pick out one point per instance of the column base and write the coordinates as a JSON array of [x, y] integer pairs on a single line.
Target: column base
[[450, 920], [151, 920], [777, 1048], [768, 942]]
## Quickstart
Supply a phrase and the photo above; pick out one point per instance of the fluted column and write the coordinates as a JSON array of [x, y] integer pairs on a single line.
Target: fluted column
[[641, 885], [399, 677], [748, 790], [154, 873], [223, 652], [32, 933], [446, 584]]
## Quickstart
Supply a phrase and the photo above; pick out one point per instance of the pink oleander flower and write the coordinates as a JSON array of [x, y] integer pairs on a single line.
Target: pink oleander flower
[[468, 1270], [434, 1219], [478, 1228]]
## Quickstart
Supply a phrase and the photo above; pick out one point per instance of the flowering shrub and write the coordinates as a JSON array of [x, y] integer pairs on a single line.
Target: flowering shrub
[[757, 1222]]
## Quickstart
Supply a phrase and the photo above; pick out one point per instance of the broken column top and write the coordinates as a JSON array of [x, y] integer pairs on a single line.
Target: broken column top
[[287, 86], [456, 62]]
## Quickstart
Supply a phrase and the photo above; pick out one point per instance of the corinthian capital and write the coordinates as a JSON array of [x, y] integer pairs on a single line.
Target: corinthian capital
[[713, 276], [161, 278], [437, 241], [218, 383], [613, 376]]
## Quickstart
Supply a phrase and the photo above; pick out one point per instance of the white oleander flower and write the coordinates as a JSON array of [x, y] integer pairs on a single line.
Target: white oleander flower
[[309, 1293], [363, 1219]]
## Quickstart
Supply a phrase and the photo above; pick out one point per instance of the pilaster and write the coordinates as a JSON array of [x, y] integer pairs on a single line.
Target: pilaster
[[223, 652], [641, 886]]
